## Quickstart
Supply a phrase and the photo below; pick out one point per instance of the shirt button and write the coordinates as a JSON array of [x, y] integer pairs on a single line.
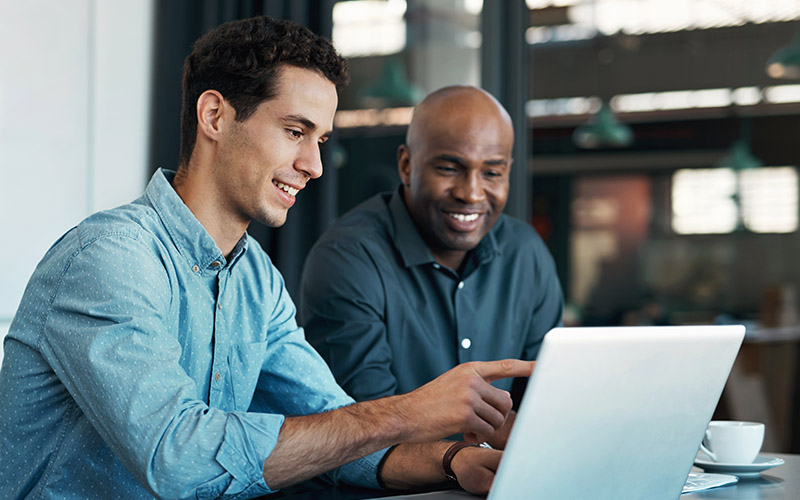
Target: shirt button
[[215, 263], [466, 343], [460, 285], [216, 377], [436, 265], [195, 268], [219, 305]]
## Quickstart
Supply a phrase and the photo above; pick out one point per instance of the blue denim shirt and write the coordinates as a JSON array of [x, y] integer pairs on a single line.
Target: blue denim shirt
[[143, 362]]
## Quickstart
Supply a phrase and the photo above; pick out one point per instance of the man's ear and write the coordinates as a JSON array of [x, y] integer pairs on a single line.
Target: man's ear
[[211, 114], [404, 164]]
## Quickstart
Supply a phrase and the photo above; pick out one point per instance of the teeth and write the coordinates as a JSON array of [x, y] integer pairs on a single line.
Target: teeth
[[464, 217], [289, 189]]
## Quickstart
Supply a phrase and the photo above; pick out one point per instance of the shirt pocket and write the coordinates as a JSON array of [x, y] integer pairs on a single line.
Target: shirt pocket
[[244, 365]]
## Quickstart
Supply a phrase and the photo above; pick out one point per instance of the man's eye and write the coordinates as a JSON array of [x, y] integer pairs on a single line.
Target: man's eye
[[492, 173], [294, 133], [445, 169]]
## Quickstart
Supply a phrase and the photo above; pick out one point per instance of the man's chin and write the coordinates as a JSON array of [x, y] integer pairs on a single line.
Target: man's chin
[[462, 242], [273, 219]]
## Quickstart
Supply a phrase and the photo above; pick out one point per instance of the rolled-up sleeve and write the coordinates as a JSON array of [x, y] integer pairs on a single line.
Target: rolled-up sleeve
[[295, 380], [143, 362]]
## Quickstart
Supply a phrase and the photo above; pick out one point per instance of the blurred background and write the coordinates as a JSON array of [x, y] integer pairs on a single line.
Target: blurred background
[[656, 146]]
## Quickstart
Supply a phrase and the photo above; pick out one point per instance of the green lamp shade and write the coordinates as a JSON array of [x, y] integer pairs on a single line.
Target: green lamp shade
[[603, 130], [785, 62], [739, 157], [391, 87]]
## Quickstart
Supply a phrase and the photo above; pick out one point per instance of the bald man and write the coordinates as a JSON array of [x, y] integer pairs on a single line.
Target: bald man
[[413, 282]]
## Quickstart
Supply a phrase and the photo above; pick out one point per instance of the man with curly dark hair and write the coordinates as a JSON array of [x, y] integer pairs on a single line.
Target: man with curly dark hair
[[155, 350]]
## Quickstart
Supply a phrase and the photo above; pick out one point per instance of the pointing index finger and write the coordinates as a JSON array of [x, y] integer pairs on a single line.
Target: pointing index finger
[[503, 368]]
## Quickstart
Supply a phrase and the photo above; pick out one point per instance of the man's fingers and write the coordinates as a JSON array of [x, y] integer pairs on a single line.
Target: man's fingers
[[504, 368], [497, 398], [479, 428], [492, 415], [476, 468]]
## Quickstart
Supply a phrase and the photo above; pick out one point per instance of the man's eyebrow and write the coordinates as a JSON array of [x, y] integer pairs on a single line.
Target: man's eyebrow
[[307, 123], [302, 120], [450, 159], [461, 161], [496, 161]]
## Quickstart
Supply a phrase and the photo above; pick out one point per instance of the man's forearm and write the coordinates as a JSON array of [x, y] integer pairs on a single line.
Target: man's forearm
[[312, 444], [461, 401], [411, 466]]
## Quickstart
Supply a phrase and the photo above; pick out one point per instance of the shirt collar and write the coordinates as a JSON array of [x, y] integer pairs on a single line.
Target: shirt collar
[[487, 249], [188, 234], [407, 239], [413, 248]]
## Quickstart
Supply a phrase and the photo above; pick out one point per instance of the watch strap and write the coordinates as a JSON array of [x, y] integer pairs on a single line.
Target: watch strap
[[448, 459]]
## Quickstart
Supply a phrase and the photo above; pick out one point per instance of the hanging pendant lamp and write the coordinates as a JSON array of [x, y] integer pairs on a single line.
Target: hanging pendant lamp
[[603, 130], [391, 88], [740, 157], [785, 62]]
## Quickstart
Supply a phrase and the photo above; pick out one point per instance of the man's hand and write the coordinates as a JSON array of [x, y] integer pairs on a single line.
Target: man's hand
[[461, 401], [475, 468], [499, 439], [411, 467]]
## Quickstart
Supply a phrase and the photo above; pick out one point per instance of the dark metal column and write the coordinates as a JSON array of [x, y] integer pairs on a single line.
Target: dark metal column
[[504, 73]]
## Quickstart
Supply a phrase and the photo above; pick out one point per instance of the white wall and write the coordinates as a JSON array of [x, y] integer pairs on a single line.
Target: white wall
[[74, 102]]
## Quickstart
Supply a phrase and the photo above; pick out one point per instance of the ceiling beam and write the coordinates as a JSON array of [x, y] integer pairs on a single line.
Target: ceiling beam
[[729, 57]]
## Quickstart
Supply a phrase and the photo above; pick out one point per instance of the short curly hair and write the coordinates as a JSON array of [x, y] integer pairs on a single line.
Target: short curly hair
[[241, 60]]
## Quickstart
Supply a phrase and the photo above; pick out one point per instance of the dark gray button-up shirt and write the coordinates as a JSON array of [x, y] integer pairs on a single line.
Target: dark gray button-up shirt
[[387, 318]]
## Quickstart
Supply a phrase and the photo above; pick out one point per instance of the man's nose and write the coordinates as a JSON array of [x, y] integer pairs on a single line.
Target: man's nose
[[309, 161], [469, 188]]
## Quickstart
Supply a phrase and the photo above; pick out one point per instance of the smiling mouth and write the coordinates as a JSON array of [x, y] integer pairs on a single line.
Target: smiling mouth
[[463, 217], [288, 189]]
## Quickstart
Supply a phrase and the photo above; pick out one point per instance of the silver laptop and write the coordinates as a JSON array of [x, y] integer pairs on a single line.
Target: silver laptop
[[614, 413]]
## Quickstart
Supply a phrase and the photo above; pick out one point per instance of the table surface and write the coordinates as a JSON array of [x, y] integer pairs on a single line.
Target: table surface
[[779, 483]]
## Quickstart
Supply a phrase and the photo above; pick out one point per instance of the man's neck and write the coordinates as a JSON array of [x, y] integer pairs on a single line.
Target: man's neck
[[198, 193]]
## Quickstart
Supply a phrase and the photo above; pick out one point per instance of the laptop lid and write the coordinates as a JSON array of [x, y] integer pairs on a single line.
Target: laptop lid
[[616, 412], [613, 413]]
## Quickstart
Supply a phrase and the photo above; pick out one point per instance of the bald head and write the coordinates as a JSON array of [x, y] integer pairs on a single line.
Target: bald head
[[455, 167], [452, 105]]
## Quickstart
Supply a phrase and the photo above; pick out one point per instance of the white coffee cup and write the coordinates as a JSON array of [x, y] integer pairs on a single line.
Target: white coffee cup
[[733, 442]]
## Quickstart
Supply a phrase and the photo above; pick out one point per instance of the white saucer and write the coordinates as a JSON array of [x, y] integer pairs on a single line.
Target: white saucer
[[761, 463]]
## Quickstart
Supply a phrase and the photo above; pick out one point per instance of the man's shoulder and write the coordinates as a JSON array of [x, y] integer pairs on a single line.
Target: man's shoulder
[[127, 232], [135, 220], [101, 245], [518, 240], [368, 223], [509, 230]]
